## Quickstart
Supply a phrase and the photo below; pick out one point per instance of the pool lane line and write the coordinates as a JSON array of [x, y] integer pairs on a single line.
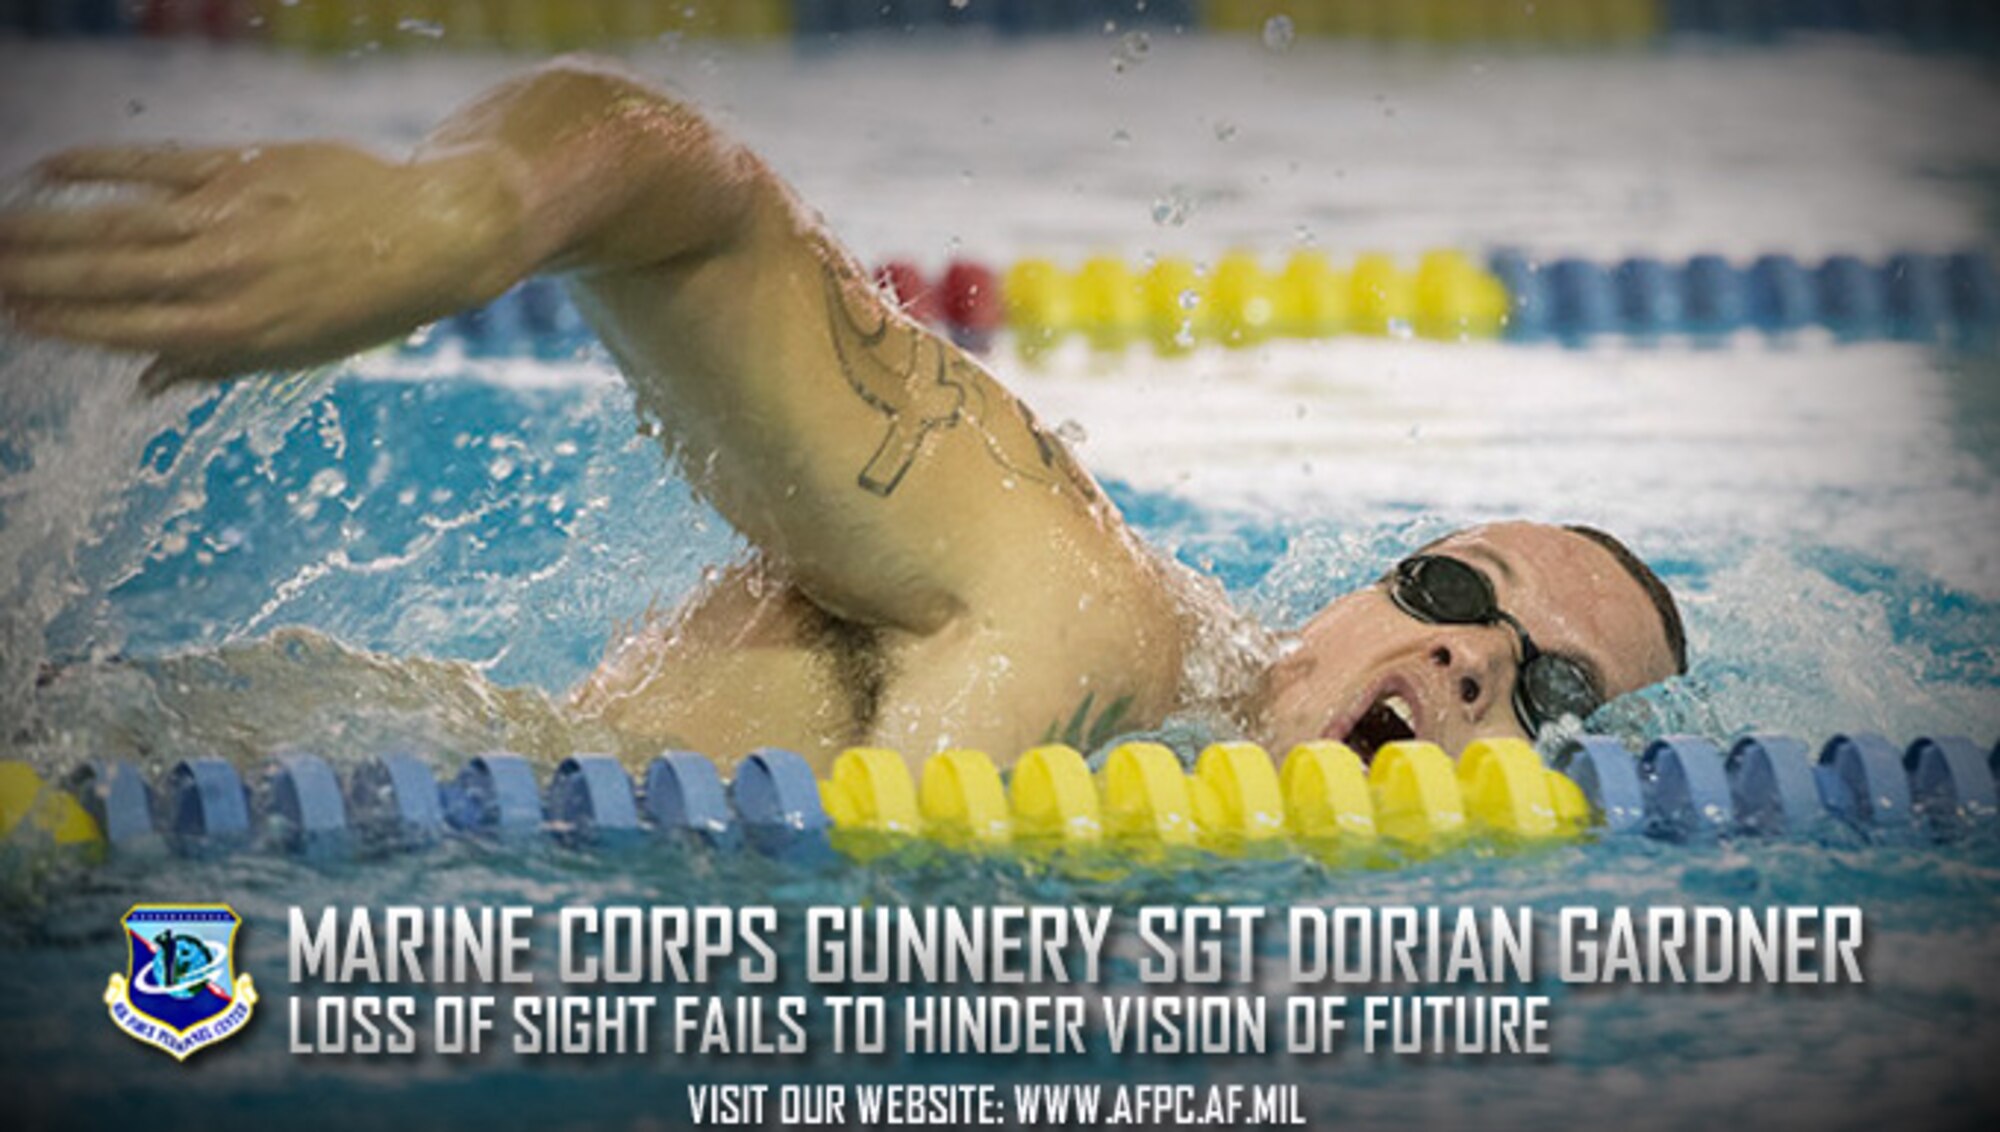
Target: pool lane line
[[1410, 797]]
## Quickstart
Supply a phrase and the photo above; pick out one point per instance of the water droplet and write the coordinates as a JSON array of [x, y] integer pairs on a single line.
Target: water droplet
[[960, 4], [429, 29], [1133, 47], [1189, 299], [1401, 330], [1279, 33], [1071, 432], [1224, 130], [1171, 209], [1120, 137]]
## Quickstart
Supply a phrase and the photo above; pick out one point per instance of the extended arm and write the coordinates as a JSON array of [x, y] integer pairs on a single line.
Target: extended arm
[[894, 479]]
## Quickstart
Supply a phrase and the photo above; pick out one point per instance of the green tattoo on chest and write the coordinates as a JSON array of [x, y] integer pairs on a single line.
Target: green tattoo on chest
[[1085, 733]]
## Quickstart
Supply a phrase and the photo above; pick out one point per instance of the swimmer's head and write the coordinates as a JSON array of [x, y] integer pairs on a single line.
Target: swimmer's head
[[1436, 651]]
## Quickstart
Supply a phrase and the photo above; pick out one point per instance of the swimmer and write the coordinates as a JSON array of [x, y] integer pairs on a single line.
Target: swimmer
[[931, 567]]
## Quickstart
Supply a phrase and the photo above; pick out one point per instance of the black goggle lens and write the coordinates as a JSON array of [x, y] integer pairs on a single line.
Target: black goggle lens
[[1550, 687], [1445, 590]]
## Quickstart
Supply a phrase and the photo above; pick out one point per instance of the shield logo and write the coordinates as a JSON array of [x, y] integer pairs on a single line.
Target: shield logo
[[180, 991]]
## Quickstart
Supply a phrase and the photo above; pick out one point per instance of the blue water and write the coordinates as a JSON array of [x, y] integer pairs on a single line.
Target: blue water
[[507, 526], [511, 527]]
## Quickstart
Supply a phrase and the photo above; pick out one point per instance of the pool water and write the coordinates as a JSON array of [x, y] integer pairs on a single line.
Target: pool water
[[357, 558]]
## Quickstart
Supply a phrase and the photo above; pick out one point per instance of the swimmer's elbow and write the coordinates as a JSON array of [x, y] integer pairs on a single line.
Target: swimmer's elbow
[[610, 171]]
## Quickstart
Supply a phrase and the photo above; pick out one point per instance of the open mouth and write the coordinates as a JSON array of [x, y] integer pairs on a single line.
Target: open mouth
[[1388, 720]]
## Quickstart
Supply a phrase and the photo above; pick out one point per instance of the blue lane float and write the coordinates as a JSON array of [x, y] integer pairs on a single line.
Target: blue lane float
[[1649, 298], [1951, 783], [117, 798], [1609, 778], [1851, 300], [495, 795], [1678, 788], [591, 801], [777, 800], [1687, 791], [1718, 301], [1529, 303], [1771, 786], [685, 799], [1584, 304], [207, 807], [307, 813], [395, 802], [1862, 782], [1912, 296], [1781, 295]]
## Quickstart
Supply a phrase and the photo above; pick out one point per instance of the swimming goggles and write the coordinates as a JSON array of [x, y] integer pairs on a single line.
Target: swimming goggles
[[1445, 591]]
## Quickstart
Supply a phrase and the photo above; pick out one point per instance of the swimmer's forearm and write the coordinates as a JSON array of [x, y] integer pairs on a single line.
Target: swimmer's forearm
[[239, 259], [598, 171]]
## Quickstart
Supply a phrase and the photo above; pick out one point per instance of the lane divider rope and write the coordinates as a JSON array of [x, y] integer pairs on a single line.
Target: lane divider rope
[[1411, 796], [1174, 305], [555, 25]]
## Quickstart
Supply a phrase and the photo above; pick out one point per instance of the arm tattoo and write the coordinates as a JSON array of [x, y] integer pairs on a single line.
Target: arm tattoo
[[902, 375], [922, 386]]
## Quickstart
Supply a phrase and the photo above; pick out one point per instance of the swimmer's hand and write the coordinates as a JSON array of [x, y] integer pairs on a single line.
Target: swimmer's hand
[[232, 261]]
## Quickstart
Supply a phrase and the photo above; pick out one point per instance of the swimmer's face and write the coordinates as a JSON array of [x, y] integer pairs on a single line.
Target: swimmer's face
[[1365, 672]]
